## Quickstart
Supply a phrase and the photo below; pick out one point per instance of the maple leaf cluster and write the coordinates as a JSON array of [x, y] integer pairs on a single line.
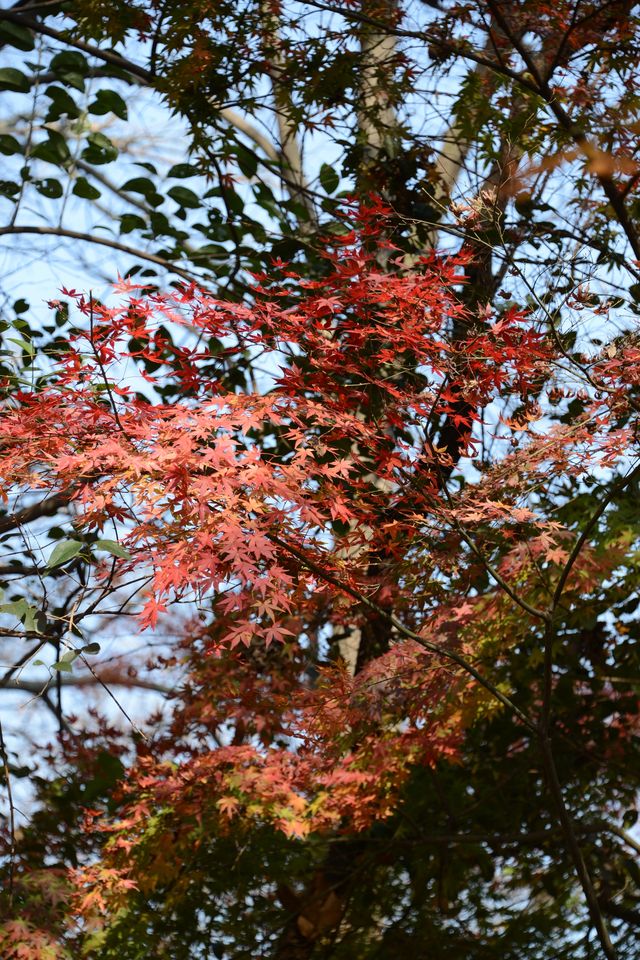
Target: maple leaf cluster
[[317, 507]]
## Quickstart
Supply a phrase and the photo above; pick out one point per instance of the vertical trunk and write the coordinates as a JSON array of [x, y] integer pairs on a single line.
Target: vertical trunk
[[291, 160], [378, 128], [319, 910], [378, 136]]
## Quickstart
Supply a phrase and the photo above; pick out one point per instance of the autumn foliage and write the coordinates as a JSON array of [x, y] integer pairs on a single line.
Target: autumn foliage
[[278, 551], [321, 549]]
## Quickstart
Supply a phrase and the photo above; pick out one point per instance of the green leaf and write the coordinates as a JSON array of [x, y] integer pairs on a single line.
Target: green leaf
[[114, 548], [131, 221], [23, 344], [49, 188], [53, 150], [61, 103], [75, 80], [72, 67], [100, 149], [160, 224], [182, 170], [139, 185], [63, 665], [21, 306], [248, 162], [184, 196], [108, 101], [82, 188], [70, 60], [33, 619], [17, 608], [634, 291], [29, 619], [16, 36], [91, 648], [340, 527], [9, 145], [64, 551], [12, 79], [329, 179], [233, 200], [8, 188]]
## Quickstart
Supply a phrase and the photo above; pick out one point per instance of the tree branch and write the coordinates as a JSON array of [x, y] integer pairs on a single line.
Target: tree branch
[[62, 36], [575, 851], [434, 648], [45, 508], [133, 683], [290, 153], [104, 242], [240, 123], [571, 126], [458, 48]]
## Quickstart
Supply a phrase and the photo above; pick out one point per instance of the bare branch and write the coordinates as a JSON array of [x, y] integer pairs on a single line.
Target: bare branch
[[102, 241], [65, 37], [252, 132], [45, 508], [88, 680]]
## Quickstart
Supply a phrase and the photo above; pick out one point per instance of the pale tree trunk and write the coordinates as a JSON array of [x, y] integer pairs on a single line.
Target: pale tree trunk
[[319, 909], [377, 118], [290, 149], [378, 135]]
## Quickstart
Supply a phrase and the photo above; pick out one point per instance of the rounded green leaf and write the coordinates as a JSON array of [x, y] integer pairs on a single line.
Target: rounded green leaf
[[114, 548], [182, 170], [8, 188], [131, 221], [329, 179], [139, 185], [72, 67], [16, 36], [16, 608], [248, 162], [49, 188], [54, 149], [9, 145], [63, 665], [61, 103], [82, 188], [184, 196], [64, 551], [12, 79], [108, 101], [99, 150]]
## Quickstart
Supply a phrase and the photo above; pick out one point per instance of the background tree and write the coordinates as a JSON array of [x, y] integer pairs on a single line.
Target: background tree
[[503, 135]]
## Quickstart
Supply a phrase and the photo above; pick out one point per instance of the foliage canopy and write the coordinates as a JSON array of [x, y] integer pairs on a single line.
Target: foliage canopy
[[351, 452]]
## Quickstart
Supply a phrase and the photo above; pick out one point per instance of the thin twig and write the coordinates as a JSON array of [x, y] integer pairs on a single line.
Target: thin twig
[[102, 241], [12, 819], [404, 630]]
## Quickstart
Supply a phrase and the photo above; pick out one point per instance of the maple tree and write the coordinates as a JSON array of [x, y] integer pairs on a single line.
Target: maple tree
[[374, 479]]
